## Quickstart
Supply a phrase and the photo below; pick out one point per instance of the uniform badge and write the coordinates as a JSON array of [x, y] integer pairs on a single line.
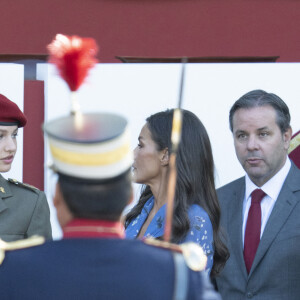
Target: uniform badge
[[193, 254], [2, 190]]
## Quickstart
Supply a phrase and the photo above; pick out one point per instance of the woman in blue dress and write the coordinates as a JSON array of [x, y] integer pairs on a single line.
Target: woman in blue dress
[[196, 208]]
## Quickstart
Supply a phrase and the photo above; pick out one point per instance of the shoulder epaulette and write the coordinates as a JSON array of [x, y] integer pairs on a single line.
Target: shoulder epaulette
[[193, 253], [21, 244], [25, 185]]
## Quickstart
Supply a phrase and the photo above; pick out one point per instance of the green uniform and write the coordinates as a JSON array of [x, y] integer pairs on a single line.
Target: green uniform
[[24, 211]]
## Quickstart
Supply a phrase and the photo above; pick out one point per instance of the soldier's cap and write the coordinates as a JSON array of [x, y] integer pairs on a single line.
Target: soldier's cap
[[10, 113], [92, 146]]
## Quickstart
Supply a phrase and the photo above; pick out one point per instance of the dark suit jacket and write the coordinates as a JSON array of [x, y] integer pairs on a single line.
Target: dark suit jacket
[[24, 211], [275, 272], [94, 268]]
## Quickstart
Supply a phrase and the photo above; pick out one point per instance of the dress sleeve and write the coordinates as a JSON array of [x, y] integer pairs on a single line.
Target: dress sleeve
[[201, 232], [40, 220]]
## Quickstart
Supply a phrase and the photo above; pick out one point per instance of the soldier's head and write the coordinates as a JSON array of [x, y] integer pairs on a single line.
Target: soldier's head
[[11, 118], [92, 157]]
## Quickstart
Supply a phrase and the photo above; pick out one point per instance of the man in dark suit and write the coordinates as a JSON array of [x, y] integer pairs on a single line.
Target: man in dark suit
[[24, 209], [261, 211], [92, 157]]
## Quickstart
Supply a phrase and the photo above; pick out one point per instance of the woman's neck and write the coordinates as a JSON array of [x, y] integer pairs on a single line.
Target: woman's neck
[[159, 190]]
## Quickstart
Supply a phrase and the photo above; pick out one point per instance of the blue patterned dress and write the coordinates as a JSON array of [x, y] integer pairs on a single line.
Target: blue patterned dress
[[201, 231]]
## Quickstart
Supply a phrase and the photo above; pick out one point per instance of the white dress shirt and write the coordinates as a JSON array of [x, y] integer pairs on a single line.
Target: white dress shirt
[[272, 189]]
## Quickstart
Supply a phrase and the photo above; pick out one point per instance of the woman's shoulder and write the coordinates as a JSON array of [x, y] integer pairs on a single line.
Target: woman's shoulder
[[11, 187], [14, 183], [199, 217], [196, 210]]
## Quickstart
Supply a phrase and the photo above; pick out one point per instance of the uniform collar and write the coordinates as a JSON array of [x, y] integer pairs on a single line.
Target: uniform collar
[[88, 228]]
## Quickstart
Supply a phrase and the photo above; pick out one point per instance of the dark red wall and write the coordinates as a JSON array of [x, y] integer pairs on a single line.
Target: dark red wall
[[156, 28], [33, 149], [153, 28]]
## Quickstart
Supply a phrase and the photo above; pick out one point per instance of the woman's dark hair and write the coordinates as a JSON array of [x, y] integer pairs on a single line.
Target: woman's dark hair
[[195, 178], [94, 199]]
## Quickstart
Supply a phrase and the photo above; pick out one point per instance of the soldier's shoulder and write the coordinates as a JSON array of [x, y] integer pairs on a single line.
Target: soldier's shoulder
[[23, 185], [19, 245], [192, 253]]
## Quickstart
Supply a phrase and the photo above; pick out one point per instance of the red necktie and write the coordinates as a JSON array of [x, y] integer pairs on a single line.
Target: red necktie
[[252, 233]]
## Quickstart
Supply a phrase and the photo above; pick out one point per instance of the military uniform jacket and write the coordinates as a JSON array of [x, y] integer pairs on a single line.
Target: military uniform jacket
[[24, 211], [93, 268]]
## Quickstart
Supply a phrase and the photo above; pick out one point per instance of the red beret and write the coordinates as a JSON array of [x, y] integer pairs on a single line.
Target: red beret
[[10, 113], [294, 149]]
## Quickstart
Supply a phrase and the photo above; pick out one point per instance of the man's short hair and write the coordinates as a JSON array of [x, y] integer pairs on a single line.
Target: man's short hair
[[259, 98], [94, 199]]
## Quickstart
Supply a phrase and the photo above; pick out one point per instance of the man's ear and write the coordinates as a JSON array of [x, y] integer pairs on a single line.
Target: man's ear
[[57, 196], [130, 200], [287, 137], [63, 213], [165, 157]]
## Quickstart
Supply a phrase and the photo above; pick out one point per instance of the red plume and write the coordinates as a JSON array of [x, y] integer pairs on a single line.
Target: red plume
[[74, 57]]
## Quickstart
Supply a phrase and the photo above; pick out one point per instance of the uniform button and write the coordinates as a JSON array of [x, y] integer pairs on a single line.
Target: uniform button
[[249, 295]]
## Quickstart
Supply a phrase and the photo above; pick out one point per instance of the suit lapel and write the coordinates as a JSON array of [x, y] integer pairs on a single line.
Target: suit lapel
[[282, 209], [235, 224], [5, 192]]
